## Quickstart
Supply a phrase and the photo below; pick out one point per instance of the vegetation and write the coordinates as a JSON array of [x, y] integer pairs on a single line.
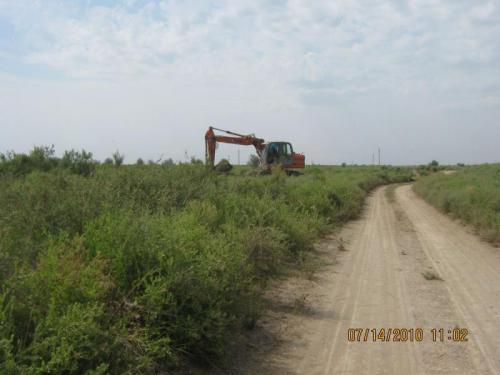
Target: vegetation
[[130, 269], [253, 161], [471, 194], [432, 167], [430, 275], [42, 158]]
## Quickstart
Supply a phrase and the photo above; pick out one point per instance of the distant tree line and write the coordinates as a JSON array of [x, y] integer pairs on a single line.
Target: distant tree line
[[43, 158]]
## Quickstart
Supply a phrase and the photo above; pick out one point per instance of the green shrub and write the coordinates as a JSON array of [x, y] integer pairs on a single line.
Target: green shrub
[[40, 158], [470, 194], [133, 270], [53, 315], [78, 162]]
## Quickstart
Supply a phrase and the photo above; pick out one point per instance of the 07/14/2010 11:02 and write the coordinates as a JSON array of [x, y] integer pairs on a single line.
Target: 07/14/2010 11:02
[[406, 334]]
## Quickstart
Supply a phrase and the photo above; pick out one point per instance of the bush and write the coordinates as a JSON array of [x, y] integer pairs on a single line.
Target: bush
[[118, 158], [53, 315], [253, 161], [78, 162], [40, 158], [470, 194], [136, 269]]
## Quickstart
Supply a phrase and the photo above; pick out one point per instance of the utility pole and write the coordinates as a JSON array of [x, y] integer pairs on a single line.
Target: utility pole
[[379, 156], [373, 159], [238, 156]]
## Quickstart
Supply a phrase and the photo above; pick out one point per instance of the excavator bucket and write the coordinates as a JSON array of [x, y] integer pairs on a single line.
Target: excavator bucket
[[210, 145]]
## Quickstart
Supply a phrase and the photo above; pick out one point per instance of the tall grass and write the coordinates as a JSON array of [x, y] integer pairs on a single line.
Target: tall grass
[[471, 194], [136, 269]]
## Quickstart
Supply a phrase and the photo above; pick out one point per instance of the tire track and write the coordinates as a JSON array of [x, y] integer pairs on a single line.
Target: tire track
[[378, 283]]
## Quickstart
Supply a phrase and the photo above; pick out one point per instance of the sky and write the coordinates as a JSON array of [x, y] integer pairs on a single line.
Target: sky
[[419, 79]]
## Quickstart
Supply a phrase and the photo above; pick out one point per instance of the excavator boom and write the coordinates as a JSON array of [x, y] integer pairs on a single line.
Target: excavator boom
[[238, 139]]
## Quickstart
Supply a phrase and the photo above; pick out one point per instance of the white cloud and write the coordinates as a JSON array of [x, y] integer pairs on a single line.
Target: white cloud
[[256, 42], [261, 59], [483, 11]]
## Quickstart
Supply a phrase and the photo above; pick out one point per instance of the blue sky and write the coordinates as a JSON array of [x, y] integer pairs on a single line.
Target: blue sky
[[418, 78]]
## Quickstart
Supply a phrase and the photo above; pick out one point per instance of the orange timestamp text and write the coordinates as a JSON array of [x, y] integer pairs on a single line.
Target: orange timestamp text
[[407, 334]]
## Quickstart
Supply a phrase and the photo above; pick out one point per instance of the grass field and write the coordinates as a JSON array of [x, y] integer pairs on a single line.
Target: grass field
[[130, 269], [471, 194]]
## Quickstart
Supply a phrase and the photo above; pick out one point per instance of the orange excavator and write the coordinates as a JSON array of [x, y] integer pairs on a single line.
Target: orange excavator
[[271, 154]]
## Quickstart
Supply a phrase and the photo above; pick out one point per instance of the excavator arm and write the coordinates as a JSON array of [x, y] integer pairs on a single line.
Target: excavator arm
[[211, 140]]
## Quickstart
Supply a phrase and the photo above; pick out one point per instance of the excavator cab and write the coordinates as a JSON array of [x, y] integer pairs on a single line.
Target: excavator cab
[[277, 153], [281, 153]]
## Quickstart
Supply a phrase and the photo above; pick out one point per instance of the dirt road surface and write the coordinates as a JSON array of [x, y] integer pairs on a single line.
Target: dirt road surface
[[373, 277]]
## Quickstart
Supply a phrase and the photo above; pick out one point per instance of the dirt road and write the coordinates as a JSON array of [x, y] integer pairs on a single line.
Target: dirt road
[[389, 277]]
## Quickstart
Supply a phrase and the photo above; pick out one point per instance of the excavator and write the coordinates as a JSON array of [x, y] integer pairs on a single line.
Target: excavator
[[271, 154]]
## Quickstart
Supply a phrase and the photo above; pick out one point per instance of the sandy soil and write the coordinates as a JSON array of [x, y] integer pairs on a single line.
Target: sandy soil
[[373, 277]]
